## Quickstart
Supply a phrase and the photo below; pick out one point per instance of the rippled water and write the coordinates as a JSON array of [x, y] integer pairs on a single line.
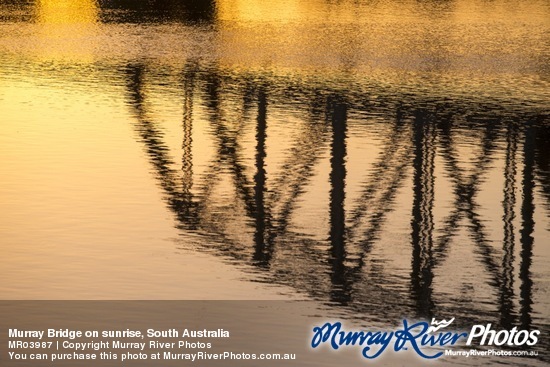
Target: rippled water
[[387, 158]]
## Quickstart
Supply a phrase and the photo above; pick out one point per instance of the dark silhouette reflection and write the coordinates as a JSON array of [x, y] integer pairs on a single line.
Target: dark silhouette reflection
[[188, 208], [466, 188], [509, 202], [542, 159], [228, 146], [263, 251], [179, 200], [378, 194], [527, 226], [131, 11], [276, 142], [340, 292], [422, 213], [305, 152]]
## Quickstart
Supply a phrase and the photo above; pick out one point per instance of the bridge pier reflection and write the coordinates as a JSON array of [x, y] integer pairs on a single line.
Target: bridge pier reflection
[[188, 206], [337, 111], [528, 224], [422, 214], [508, 245], [263, 250]]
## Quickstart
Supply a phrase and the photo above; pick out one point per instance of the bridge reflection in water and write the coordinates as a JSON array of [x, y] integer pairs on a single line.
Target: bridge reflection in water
[[362, 153], [449, 153]]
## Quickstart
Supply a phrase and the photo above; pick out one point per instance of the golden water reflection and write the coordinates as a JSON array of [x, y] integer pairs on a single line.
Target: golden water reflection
[[385, 158], [477, 46], [66, 30], [66, 11]]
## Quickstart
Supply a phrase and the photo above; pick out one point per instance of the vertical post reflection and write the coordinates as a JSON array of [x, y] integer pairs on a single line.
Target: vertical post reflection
[[528, 224], [262, 254], [338, 110], [187, 143], [509, 202], [422, 213]]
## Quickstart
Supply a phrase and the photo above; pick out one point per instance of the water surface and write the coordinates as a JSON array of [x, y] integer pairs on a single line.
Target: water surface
[[384, 158]]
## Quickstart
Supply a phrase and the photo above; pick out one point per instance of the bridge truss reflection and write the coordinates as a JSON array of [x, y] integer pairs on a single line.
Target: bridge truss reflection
[[252, 220]]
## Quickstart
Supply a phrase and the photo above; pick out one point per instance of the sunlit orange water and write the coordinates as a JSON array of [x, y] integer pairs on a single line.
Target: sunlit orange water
[[389, 156]]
